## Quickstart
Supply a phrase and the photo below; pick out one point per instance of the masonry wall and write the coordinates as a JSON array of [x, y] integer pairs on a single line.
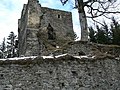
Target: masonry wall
[[22, 24], [91, 49], [65, 73], [61, 21], [35, 19]]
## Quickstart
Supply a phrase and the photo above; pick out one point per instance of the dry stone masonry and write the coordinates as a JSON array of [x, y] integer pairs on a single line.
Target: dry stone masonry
[[63, 73], [41, 29], [43, 32]]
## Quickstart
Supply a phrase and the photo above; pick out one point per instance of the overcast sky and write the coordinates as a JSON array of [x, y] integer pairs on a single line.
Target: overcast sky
[[10, 12]]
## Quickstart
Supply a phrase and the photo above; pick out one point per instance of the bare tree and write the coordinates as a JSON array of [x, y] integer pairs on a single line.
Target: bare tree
[[92, 9]]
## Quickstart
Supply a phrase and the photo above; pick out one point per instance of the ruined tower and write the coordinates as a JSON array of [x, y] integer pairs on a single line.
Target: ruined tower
[[42, 28]]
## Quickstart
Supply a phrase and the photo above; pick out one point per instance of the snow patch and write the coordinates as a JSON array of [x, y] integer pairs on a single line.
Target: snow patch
[[57, 47], [20, 58], [44, 57], [80, 57], [52, 56], [61, 55], [117, 58]]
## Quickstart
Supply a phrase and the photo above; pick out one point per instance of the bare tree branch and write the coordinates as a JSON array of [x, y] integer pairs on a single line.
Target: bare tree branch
[[64, 1], [97, 22]]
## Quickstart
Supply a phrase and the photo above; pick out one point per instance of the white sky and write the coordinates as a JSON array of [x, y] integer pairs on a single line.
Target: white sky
[[10, 12]]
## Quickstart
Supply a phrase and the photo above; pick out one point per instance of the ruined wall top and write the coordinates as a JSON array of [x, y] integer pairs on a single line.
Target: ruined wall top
[[33, 29], [33, 1]]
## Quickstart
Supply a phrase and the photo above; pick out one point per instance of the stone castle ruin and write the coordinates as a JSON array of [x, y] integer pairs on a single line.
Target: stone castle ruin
[[77, 65], [41, 29], [45, 31]]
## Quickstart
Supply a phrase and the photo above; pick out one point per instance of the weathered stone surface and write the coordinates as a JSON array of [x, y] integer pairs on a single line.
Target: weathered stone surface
[[36, 19], [91, 49], [65, 73]]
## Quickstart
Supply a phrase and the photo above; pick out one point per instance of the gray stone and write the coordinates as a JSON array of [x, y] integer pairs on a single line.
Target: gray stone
[[7, 87], [33, 31], [64, 73]]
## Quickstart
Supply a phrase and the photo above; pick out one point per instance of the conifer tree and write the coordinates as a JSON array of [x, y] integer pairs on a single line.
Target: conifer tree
[[94, 9], [92, 35], [105, 35], [3, 49], [11, 45], [100, 36], [115, 28]]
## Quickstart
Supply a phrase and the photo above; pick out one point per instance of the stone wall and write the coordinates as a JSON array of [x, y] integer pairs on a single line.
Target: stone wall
[[22, 23], [79, 48], [61, 21], [88, 48], [35, 19], [64, 73]]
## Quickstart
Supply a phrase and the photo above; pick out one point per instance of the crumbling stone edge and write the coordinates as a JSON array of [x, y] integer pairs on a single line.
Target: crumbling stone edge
[[39, 60]]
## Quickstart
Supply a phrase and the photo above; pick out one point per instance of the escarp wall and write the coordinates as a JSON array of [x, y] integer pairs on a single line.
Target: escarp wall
[[64, 73]]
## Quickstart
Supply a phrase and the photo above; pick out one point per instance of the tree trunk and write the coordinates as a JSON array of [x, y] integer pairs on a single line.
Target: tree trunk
[[83, 21]]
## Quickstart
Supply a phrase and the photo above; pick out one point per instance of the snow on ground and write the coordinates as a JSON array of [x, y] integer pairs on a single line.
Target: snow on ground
[[19, 58], [117, 58], [84, 57], [45, 57], [61, 55], [52, 56]]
